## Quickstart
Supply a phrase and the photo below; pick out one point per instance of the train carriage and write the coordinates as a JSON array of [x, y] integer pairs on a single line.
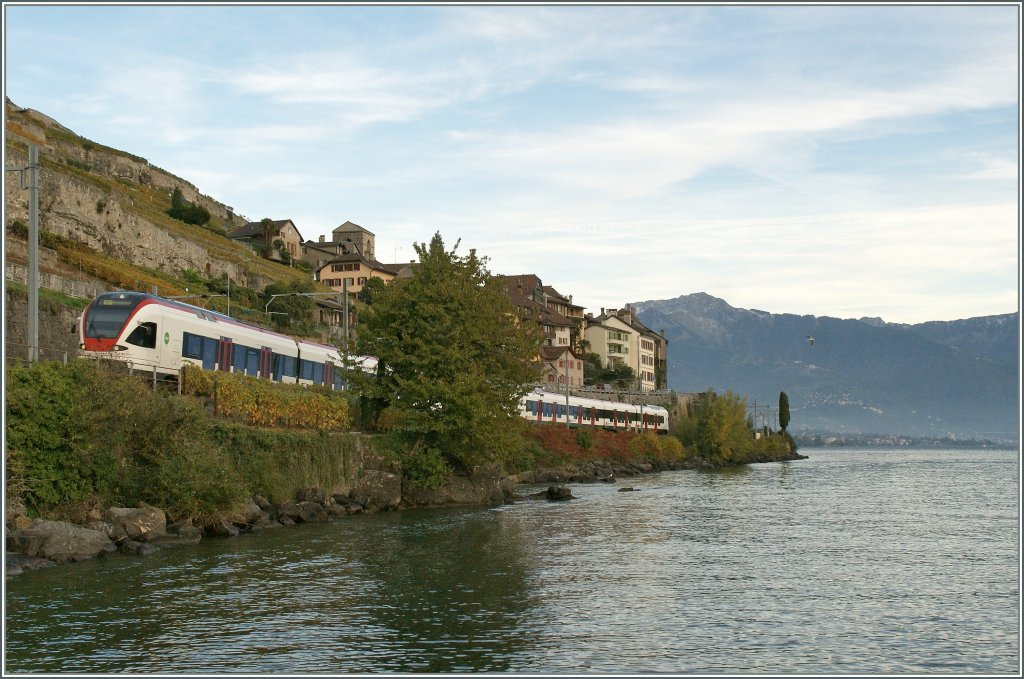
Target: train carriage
[[544, 407], [151, 333]]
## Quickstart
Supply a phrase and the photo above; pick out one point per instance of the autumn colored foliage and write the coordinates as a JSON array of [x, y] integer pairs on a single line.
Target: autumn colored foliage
[[266, 404]]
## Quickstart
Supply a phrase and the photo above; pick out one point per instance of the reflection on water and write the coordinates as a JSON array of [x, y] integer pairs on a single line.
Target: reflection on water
[[850, 561]]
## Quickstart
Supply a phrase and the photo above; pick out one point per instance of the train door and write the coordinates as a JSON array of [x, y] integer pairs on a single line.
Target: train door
[[329, 374], [540, 411], [266, 362], [225, 354]]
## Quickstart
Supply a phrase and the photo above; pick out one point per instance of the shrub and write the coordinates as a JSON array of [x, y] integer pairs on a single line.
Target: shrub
[[425, 468], [81, 434], [262, 403]]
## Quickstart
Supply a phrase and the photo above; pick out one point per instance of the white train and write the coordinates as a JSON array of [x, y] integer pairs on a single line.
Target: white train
[[154, 334], [545, 407], [160, 335]]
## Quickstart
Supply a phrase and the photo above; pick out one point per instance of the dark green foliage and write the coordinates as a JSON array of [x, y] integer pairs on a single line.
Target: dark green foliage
[[276, 464], [270, 229], [18, 228], [585, 439], [186, 211], [783, 411], [80, 164], [452, 358], [619, 374], [48, 456], [292, 310], [425, 468], [371, 289], [83, 432]]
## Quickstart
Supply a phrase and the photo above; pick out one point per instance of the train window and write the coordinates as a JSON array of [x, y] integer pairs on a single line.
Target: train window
[[209, 353], [288, 366], [143, 336], [318, 373], [561, 410], [573, 411], [547, 409], [305, 369], [107, 315], [531, 407], [192, 345]]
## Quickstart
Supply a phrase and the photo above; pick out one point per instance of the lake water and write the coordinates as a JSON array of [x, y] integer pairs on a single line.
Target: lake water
[[879, 561]]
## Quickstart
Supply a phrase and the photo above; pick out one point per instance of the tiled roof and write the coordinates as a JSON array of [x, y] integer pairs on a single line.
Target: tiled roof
[[549, 353], [256, 229]]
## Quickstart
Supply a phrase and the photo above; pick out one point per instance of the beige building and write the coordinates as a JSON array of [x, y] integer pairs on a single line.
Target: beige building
[[351, 272], [618, 337]]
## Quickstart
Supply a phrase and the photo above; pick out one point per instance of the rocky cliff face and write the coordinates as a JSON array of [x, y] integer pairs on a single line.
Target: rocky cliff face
[[114, 201]]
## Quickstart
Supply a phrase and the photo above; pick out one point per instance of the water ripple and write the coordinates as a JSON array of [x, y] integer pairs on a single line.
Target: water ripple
[[852, 561]]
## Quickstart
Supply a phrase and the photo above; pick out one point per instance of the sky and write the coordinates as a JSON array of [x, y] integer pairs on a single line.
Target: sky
[[845, 160]]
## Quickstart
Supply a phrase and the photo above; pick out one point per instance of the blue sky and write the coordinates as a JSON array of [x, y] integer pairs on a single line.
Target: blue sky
[[840, 160]]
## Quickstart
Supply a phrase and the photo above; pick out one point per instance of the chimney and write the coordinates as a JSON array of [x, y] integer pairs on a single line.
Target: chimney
[[322, 239]]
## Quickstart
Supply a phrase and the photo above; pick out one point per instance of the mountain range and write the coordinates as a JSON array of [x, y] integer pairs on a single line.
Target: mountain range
[[954, 379]]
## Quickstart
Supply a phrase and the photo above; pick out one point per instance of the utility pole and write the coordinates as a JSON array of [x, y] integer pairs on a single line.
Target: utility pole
[[344, 293], [568, 353], [32, 170]]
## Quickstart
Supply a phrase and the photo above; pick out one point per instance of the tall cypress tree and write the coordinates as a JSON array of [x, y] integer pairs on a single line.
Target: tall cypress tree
[[783, 410]]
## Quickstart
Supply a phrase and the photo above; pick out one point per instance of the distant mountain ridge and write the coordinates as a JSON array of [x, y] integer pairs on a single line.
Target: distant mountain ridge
[[866, 376]]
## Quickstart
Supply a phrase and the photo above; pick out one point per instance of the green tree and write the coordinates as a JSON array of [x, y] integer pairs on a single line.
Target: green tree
[[290, 310], [453, 360], [186, 211], [783, 410], [619, 374], [371, 289], [717, 429], [269, 230]]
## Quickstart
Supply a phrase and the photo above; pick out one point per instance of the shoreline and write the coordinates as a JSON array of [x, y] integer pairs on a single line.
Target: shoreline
[[33, 544]]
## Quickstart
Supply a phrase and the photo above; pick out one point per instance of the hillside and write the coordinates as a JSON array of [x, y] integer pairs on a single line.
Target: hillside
[[105, 210], [859, 376]]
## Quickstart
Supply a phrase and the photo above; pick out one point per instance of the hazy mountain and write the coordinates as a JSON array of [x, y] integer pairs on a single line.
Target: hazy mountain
[[859, 376]]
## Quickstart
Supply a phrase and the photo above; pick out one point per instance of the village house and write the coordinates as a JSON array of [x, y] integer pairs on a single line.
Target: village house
[[347, 261], [531, 302], [281, 237], [561, 365]]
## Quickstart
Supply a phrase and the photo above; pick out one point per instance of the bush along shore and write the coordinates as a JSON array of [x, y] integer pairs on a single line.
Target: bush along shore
[[98, 462]]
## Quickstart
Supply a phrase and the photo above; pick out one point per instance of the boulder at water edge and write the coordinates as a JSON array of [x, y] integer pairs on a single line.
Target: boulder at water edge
[[59, 541], [143, 523]]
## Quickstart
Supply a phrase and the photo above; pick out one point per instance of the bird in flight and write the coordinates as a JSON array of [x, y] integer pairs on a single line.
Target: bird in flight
[[810, 340]]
